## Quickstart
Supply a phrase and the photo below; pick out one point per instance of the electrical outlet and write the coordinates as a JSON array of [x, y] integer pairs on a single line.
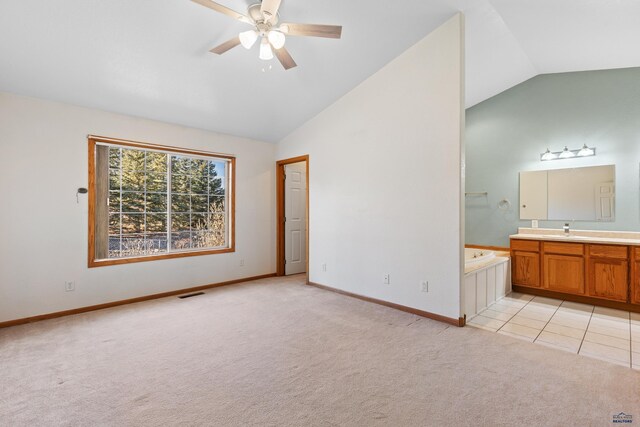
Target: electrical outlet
[[324, 267], [69, 286], [424, 286], [534, 223], [387, 279], [241, 263]]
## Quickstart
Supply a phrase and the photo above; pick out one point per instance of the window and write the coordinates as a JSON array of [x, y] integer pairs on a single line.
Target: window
[[153, 202]]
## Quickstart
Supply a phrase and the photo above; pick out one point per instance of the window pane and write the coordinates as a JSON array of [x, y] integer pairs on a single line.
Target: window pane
[[114, 246], [199, 203], [156, 182], [217, 168], [216, 222], [114, 223], [132, 223], [114, 201], [132, 202], [207, 239], [133, 245], [199, 185], [156, 223], [114, 179], [156, 162], [180, 184], [180, 165], [199, 167], [180, 222], [216, 204], [156, 202], [133, 160], [114, 158], [216, 187], [180, 203], [133, 181], [156, 243], [199, 221], [181, 240]]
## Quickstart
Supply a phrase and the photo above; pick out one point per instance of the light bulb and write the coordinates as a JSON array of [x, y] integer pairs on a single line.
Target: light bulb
[[585, 151], [566, 154], [548, 155], [248, 38], [265, 50], [276, 38]]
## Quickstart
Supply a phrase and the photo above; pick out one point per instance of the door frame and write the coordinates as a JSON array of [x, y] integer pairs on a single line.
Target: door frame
[[280, 239]]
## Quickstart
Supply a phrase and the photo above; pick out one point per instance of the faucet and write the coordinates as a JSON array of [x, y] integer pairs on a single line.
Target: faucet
[[566, 229]]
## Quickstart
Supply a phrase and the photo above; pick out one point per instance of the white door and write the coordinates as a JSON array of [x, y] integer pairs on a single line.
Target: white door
[[295, 213], [533, 195], [604, 201]]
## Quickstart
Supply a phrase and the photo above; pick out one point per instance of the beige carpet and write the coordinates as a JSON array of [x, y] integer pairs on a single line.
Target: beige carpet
[[276, 352]]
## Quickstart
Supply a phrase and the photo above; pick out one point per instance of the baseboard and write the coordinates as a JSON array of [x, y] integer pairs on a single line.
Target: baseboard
[[491, 248], [128, 301], [456, 322]]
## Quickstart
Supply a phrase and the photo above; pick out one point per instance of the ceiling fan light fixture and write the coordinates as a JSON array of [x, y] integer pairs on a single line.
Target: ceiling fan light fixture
[[276, 38], [265, 50], [284, 28], [248, 38]]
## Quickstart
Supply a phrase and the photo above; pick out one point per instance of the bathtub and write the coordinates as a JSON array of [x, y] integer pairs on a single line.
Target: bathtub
[[475, 257], [487, 279]]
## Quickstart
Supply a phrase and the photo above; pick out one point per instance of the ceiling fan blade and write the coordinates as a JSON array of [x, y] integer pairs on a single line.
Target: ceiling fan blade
[[285, 58], [312, 30], [269, 8], [224, 10], [229, 44]]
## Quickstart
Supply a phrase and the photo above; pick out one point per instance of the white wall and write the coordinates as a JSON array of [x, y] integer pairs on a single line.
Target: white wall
[[385, 180], [43, 235]]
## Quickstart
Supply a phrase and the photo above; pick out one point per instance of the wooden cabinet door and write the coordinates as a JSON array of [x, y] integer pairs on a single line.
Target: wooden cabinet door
[[526, 268], [635, 284], [564, 273], [608, 278]]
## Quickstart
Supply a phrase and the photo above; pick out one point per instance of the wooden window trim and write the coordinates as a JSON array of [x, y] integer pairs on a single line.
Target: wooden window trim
[[93, 262]]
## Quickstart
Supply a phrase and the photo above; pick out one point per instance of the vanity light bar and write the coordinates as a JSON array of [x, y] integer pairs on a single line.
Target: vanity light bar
[[568, 154]]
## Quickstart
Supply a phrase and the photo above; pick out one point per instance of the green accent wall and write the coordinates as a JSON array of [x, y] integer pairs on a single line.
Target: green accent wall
[[506, 134]]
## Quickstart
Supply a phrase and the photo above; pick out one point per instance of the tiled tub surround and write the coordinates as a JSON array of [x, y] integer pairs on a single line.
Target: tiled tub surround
[[485, 283], [597, 332]]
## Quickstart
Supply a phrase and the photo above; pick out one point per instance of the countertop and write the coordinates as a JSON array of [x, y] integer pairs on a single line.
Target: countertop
[[627, 238]]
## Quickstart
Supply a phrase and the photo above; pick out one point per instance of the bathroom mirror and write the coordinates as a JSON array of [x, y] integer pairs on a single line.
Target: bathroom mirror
[[572, 194]]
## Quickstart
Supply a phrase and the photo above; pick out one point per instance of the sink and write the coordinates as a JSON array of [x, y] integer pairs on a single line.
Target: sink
[[563, 236]]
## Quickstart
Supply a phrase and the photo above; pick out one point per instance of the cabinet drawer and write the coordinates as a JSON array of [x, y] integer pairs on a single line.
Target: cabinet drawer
[[636, 252], [563, 248], [525, 245], [608, 251]]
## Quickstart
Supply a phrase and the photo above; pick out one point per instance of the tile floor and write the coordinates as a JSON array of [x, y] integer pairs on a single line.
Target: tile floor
[[598, 332]]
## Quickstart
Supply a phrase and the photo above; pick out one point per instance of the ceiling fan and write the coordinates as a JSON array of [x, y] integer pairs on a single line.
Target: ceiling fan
[[264, 18]]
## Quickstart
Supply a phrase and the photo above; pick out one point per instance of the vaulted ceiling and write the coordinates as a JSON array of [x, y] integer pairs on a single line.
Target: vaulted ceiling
[[149, 58]]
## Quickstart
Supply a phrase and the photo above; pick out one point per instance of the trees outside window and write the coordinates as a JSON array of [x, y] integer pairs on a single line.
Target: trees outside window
[[152, 203]]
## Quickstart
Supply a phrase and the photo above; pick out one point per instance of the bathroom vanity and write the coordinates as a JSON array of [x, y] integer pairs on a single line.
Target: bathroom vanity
[[594, 267]]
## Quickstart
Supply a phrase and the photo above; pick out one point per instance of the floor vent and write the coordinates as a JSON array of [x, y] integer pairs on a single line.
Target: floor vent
[[191, 295]]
